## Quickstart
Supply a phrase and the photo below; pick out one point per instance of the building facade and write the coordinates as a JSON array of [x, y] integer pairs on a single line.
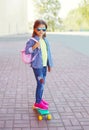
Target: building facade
[[13, 17]]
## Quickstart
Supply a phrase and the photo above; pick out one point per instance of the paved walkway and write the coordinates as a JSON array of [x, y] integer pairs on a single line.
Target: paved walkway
[[66, 90]]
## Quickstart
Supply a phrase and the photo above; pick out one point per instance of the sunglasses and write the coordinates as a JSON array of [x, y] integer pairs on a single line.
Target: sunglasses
[[43, 29]]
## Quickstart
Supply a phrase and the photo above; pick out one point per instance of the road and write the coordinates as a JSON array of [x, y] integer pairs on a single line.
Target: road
[[77, 42], [66, 88]]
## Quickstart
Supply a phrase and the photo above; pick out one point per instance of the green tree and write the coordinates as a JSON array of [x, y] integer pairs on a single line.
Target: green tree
[[78, 19], [84, 10], [48, 10], [72, 21]]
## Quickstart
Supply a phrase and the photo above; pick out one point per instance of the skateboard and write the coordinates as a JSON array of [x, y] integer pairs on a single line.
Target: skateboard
[[43, 114]]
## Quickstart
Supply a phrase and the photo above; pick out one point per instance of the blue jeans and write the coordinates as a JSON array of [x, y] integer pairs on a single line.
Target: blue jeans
[[40, 75]]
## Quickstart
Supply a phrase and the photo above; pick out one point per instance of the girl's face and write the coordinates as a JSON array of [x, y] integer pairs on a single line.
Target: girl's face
[[40, 30]]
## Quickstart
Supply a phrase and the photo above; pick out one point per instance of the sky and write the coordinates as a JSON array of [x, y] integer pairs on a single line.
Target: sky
[[30, 10], [66, 6]]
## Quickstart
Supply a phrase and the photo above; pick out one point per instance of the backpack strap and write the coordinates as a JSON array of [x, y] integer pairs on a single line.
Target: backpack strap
[[33, 39], [37, 52]]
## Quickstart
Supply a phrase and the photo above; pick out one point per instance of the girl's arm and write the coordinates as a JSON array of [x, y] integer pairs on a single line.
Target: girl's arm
[[36, 45], [49, 69]]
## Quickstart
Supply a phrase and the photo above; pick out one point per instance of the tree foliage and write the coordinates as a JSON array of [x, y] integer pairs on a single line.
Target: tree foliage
[[84, 10], [78, 19], [48, 10]]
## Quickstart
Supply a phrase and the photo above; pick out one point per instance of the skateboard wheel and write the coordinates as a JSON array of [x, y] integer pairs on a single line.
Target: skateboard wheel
[[39, 117], [49, 117]]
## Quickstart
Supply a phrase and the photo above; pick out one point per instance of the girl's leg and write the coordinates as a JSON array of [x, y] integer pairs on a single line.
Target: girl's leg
[[40, 75], [44, 71]]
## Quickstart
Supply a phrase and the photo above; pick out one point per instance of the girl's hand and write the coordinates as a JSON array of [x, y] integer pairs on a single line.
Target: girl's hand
[[37, 45], [49, 68]]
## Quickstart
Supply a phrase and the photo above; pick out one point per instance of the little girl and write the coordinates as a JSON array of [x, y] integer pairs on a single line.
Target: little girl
[[43, 60]]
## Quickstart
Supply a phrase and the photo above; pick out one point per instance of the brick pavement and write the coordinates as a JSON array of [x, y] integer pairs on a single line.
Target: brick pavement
[[66, 90]]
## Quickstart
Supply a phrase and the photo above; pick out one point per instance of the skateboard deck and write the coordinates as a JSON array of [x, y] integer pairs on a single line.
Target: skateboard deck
[[43, 113]]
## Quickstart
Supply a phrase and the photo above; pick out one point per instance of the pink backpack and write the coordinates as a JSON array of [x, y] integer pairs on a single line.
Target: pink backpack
[[27, 58]]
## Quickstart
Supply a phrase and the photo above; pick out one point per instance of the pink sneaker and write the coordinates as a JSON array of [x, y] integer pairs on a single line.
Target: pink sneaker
[[44, 102], [41, 106]]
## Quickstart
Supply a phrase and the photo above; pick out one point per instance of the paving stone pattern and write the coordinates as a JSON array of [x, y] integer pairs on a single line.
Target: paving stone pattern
[[66, 90]]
